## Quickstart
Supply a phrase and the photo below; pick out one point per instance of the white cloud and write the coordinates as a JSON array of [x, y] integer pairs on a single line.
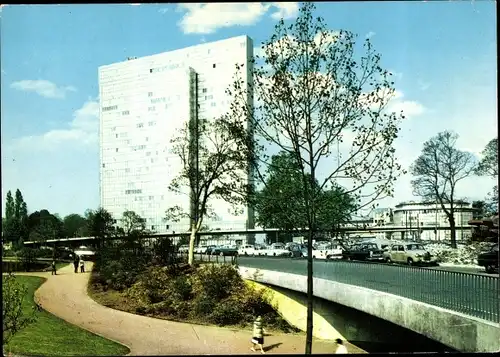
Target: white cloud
[[370, 34], [207, 18], [82, 130], [286, 10], [43, 87]]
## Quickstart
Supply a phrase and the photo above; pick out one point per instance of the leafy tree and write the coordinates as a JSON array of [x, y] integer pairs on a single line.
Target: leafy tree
[[43, 225], [14, 318], [437, 171], [9, 206], [212, 167], [75, 226], [483, 209], [101, 225], [313, 94], [132, 222], [488, 166], [280, 204]]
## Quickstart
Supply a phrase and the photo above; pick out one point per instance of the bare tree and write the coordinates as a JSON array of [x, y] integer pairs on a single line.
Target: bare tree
[[438, 169], [313, 94], [213, 166]]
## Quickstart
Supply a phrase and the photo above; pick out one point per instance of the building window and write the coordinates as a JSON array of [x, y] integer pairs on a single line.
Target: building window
[[152, 228], [125, 112], [107, 109], [147, 139], [213, 66], [127, 170], [103, 165], [204, 90], [116, 149], [151, 70], [150, 94], [148, 153], [151, 109], [140, 125], [151, 198], [213, 104], [116, 135], [132, 192]]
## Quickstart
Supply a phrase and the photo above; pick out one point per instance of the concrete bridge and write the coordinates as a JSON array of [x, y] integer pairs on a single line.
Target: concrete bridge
[[458, 310]]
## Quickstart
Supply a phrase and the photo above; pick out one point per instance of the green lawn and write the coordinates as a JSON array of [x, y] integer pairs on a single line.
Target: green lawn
[[52, 336]]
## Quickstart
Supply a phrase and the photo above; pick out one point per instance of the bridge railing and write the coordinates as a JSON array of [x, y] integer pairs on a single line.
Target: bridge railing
[[471, 294]]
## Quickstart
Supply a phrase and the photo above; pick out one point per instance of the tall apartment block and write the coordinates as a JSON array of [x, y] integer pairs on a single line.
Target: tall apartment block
[[144, 101]]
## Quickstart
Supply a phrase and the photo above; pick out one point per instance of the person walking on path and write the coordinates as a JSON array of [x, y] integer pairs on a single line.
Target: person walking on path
[[53, 265], [75, 263], [341, 349], [258, 335], [82, 266]]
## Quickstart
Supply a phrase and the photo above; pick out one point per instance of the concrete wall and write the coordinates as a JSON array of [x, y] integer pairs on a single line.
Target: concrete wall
[[460, 332]]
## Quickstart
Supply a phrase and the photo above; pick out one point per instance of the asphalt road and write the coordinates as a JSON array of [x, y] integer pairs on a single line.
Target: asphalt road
[[472, 294]]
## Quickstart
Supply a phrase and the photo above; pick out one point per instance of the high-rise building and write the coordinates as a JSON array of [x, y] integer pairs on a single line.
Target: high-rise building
[[143, 103]]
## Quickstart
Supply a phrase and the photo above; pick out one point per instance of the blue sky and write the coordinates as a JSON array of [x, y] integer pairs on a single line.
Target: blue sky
[[443, 55]]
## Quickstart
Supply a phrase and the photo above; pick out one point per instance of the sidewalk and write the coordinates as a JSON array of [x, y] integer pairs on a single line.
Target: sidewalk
[[65, 295]]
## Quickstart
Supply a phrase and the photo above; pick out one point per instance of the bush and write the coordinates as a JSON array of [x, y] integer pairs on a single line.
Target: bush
[[227, 313], [217, 281], [13, 317]]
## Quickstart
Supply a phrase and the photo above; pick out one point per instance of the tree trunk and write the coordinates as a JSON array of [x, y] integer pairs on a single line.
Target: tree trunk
[[453, 235], [192, 239], [309, 320]]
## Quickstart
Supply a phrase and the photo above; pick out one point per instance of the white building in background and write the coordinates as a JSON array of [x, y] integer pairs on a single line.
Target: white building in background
[[143, 102], [430, 214]]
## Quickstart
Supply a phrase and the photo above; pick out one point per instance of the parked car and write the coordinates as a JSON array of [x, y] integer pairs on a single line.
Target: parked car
[[489, 259], [275, 252], [201, 249], [210, 249], [225, 250], [363, 251], [246, 250], [295, 250], [409, 253]]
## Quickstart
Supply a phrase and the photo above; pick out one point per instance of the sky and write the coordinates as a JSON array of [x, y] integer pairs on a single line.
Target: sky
[[443, 56]]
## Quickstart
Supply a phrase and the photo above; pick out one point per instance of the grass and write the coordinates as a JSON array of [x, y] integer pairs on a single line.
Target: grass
[[52, 336]]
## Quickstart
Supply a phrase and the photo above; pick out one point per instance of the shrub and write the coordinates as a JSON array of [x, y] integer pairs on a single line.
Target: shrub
[[13, 316], [203, 305], [217, 281], [182, 288], [227, 312]]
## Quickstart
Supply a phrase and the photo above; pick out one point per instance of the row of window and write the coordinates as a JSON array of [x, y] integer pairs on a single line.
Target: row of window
[[132, 192], [168, 67], [107, 109]]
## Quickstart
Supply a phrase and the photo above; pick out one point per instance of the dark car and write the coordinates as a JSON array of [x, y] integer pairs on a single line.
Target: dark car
[[225, 250], [363, 251], [210, 249], [295, 250], [489, 259]]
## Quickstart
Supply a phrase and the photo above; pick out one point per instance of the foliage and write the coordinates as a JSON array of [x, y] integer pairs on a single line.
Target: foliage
[[164, 251], [74, 225], [313, 93], [437, 171], [132, 223], [101, 225], [488, 166], [186, 295], [15, 229], [13, 316], [43, 225], [280, 204], [27, 256], [213, 167], [484, 209]]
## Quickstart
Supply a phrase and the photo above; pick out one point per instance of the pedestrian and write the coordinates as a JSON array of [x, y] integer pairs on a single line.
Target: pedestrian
[[54, 271], [341, 349], [82, 266], [258, 335], [75, 263]]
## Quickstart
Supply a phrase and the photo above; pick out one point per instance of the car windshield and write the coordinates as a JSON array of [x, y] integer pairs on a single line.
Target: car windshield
[[415, 247]]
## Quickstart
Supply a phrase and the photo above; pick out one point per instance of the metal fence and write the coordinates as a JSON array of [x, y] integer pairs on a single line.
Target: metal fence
[[471, 294]]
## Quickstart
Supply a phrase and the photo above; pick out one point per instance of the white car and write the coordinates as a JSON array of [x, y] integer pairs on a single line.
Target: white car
[[246, 250], [275, 252], [183, 248], [332, 252], [201, 250]]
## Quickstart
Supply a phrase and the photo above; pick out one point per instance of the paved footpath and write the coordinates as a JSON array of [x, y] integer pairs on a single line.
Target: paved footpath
[[65, 295]]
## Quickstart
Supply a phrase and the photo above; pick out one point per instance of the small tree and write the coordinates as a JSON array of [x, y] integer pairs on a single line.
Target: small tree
[[212, 167], [437, 171], [312, 94], [101, 225], [13, 316], [488, 166], [132, 222]]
